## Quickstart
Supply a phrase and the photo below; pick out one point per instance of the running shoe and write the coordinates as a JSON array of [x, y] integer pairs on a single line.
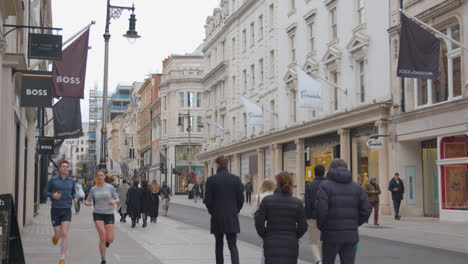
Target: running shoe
[[54, 241]]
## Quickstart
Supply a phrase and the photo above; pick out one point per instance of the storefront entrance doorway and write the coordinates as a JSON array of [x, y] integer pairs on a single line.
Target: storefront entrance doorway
[[430, 178]]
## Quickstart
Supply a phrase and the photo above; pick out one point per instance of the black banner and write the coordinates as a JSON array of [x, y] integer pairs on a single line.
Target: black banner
[[419, 52], [36, 89], [11, 247], [45, 145], [67, 118], [45, 46]]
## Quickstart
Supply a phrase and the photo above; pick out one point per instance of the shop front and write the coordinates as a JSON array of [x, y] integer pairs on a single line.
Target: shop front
[[320, 150], [249, 168], [289, 162], [453, 171], [183, 162], [364, 159]]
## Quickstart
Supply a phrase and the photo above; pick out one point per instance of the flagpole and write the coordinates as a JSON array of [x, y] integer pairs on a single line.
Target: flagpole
[[271, 111], [433, 29], [325, 80], [79, 33]]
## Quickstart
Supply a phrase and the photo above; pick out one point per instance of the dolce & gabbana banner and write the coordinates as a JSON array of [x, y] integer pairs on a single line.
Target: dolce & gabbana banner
[[309, 91], [70, 72], [67, 118], [419, 52]]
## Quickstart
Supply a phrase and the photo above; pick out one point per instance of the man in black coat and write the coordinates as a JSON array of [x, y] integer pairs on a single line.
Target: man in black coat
[[342, 206], [224, 199], [311, 214], [397, 189], [248, 192]]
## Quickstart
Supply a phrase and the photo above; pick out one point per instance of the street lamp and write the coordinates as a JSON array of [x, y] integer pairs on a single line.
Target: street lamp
[[189, 130], [112, 12]]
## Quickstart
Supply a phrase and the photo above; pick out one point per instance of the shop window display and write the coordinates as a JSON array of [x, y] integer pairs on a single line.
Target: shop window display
[[454, 177], [365, 161]]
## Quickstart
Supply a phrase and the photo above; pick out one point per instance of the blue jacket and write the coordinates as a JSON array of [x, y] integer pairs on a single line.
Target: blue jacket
[[65, 187]]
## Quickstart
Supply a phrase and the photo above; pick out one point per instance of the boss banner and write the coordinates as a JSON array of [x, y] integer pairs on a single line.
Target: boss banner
[[36, 89]]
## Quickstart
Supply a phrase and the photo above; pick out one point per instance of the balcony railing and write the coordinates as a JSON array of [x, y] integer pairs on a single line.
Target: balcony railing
[[118, 108]]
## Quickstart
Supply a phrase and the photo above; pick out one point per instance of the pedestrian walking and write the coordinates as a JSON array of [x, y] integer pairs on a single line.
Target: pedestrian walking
[[190, 190], [123, 190], [103, 196], [154, 212], [311, 213], [166, 197], [61, 191], [285, 222], [248, 192], [134, 197], [267, 188], [146, 202], [224, 199], [196, 191], [80, 195], [397, 188], [373, 193], [342, 206]]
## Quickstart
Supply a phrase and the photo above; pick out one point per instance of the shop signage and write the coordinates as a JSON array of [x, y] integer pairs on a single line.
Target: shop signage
[[46, 145], [374, 143], [45, 46], [36, 90]]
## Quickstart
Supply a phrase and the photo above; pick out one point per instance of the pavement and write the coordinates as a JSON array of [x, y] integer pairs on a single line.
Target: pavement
[[423, 231], [183, 238]]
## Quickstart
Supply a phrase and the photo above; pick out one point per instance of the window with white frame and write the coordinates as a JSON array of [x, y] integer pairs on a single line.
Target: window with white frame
[[448, 85], [199, 99], [272, 115], [233, 88], [272, 16], [244, 120], [260, 64], [199, 123], [244, 40], [333, 24], [191, 124], [272, 62], [233, 48], [165, 103], [311, 32], [190, 99], [181, 99], [252, 74], [181, 123], [244, 80], [334, 79], [223, 91], [165, 127], [260, 27], [223, 44], [252, 34], [361, 14], [362, 81], [292, 46], [233, 128]]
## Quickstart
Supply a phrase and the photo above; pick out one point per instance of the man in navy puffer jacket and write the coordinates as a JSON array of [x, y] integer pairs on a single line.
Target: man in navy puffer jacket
[[342, 206]]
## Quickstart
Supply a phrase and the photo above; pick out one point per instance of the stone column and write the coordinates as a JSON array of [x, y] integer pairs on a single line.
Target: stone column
[[344, 144], [384, 175], [261, 169], [237, 163], [300, 168]]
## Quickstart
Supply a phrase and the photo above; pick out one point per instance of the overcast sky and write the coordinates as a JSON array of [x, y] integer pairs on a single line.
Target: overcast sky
[[165, 26]]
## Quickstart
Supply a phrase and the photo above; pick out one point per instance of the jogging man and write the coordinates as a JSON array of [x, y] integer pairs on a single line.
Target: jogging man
[[61, 190]]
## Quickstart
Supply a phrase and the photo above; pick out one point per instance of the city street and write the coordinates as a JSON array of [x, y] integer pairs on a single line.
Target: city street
[[183, 238]]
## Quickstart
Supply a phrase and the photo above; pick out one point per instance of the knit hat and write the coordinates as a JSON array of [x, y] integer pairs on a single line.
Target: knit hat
[[373, 179]]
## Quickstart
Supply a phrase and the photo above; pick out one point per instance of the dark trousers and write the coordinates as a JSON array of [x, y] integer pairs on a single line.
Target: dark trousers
[[248, 197], [232, 240], [375, 206], [396, 207], [347, 252]]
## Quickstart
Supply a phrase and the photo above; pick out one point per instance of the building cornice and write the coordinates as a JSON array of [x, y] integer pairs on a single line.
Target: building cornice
[[181, 80], [229, 21], [360, 116], [222, 65]]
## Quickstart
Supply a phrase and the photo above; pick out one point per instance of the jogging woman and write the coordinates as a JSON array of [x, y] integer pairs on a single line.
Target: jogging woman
[[105, 198]]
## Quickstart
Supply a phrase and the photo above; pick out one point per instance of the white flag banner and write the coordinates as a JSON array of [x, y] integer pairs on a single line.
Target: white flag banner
[[219, 128], [253, 111], [309, 91]]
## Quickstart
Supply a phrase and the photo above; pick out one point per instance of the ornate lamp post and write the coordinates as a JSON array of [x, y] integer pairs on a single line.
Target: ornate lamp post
[[112, 12]]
